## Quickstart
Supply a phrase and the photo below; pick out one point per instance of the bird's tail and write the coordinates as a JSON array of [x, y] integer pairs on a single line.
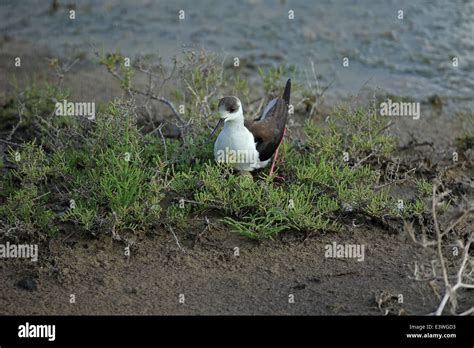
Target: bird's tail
[[286, 93]]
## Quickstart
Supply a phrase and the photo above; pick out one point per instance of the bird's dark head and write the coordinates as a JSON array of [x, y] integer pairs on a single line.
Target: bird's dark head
[[230, 108]]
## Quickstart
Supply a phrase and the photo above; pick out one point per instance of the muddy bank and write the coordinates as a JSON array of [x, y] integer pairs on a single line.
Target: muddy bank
[[86, 80], [213, 279]]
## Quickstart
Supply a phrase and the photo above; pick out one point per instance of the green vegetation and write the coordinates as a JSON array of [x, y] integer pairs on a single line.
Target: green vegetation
[[119, 181], [319, 187], [118, 61], [108, 175]]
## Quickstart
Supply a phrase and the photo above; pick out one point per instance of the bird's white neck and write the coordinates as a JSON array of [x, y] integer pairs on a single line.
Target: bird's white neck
[[236, 121]]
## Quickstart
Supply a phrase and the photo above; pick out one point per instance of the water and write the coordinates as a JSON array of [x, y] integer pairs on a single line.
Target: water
[[409, 57]]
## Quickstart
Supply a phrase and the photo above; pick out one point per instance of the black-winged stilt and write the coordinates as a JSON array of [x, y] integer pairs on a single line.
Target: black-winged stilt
[[251, 144]]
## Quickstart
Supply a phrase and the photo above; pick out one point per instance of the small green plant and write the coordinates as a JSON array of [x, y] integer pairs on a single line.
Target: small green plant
[[240, 88], [32, 163], [38, 98], [425, 188], [358, 132], [27, 205], [178, 215], [271, 79], [30, 111], [258, 227], [84, 212], [118, 176], [119, 64]]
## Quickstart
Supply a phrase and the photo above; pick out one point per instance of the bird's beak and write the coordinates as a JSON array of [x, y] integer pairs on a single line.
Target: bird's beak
[[221, 120]]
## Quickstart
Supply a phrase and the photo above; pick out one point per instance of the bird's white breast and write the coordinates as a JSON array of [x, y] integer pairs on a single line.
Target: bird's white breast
[[236, 145]]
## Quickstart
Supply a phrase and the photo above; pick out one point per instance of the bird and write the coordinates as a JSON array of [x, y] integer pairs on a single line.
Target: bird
[[250, 144]]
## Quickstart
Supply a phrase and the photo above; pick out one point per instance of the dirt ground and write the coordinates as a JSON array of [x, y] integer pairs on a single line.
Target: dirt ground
[[214, 280], [204, 267]]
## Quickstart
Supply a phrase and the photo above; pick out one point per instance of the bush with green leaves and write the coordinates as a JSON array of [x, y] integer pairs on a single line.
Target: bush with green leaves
[[119, 181], [25, 192], [113, 177]]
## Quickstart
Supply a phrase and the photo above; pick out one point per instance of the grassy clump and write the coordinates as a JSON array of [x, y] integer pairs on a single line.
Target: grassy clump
[[254, 208], [26, 203], [119, 180], [112, 177], [341, 160]]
